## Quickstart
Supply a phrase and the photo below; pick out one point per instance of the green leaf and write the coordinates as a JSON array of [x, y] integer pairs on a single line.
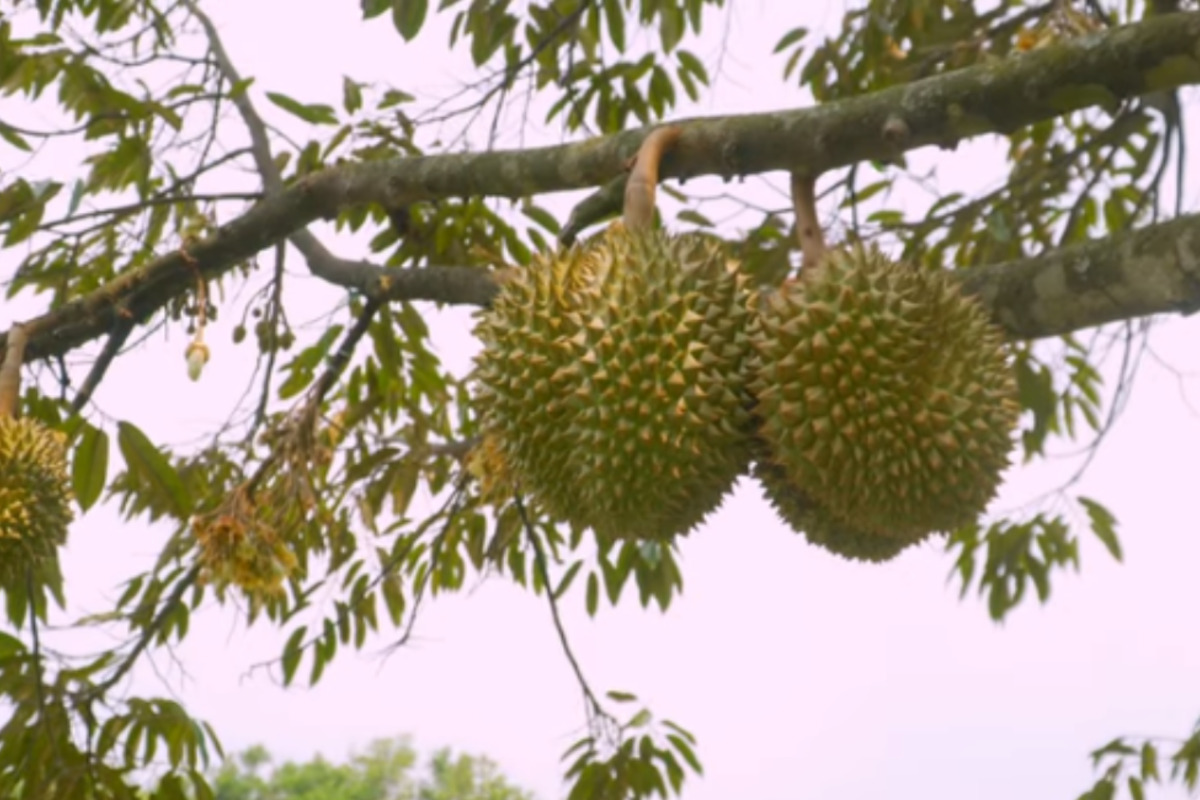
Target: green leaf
[[148, 463], [565, 583], [317, 114], [1149, 762], [684, 748], [593, 594], [790, 38], [615, 16], [352, 98], [542, 217], [373, 8], [692, 66], [640, 720], [239, 88], [9, 645], [620, 697], [292, 652], [694, 217], [15, 139], [408, 16], [1103, 525], [89, 469], [671, 26]]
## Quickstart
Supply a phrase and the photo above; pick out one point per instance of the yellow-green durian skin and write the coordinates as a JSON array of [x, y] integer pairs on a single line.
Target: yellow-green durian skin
[[809, 519], [884, 394], [35, 496], [613, 377]]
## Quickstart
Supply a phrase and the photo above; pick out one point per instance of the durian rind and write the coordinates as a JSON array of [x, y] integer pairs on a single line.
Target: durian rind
[[885, 394], [613, 378], [35, 495], [808, 519]]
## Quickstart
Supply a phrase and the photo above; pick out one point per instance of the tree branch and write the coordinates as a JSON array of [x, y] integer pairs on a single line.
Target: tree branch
[[1154, 270], [1158, 54]]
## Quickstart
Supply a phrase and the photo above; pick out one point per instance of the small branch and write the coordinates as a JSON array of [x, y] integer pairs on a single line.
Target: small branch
[[116, 340], [341, 358], [148, 633], [451, 509], [446, 284], [595, 711], [143, 204], [596, 207], [260, 413], [260, 144]]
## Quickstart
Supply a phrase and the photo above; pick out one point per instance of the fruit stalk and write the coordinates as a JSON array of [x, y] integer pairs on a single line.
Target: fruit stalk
[[10, 370], [643, 177], [808, 227]]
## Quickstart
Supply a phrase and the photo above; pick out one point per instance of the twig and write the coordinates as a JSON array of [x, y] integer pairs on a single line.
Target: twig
[[451, 508], [341, 358], [148, 633], [116, 340], [596, 713], [260, 413]]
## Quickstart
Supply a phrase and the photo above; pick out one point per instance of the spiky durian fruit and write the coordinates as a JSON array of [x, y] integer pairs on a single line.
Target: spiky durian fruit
[[807, 518], [885, 395], [35, 494], [613, 380]]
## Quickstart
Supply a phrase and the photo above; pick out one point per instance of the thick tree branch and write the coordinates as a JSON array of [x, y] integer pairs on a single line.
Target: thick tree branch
[[1155, 270], [1158, 54]]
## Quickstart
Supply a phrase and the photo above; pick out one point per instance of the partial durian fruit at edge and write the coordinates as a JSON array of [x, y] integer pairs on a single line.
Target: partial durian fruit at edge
[[886, 403], [35, 494], [612, 381]]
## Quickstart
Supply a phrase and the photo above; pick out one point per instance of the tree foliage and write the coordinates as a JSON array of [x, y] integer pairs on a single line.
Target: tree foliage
[[189, 204], [383, 771]]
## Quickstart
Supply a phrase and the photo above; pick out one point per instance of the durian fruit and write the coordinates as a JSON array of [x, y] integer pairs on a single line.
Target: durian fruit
[[885, 396], [35, 495], [613, 380], [808, 518]]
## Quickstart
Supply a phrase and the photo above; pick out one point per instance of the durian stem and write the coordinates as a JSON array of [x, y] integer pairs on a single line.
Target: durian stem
[[643, 177], [10, 370], [808, 226]]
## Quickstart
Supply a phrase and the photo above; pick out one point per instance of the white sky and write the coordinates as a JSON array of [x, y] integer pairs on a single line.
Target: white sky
[[803, 676]]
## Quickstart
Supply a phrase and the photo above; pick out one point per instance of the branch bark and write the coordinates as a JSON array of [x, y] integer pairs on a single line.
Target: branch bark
[[1154, 270], [1158, 54]]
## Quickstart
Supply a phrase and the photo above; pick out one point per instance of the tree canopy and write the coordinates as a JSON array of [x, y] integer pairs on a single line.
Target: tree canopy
[[150, 189], [383, 771]]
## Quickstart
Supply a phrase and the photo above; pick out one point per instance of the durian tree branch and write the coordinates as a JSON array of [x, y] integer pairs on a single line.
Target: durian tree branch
[[321, 262], [1158, 54], [1154, 270], [112, 347]]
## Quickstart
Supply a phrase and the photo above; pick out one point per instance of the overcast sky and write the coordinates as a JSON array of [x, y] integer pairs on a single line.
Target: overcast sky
[[803, 676]]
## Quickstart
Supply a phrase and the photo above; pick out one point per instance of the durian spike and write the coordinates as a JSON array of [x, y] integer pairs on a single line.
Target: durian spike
[[808, 226], [10, 371], [643, 177]]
